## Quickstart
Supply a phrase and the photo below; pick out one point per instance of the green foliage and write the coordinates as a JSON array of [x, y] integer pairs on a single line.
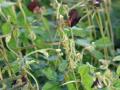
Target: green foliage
[[103, 42], [40, 51], [86, 78], [51, 85], [50, 74], [118, 71], [117, 84], [6, 28], [63, 65]]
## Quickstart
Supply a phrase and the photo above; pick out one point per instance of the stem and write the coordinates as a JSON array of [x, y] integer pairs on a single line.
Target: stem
[[1, 78], [6, 60], [90, 22], [29, 73], [99, 21], [107, 5]]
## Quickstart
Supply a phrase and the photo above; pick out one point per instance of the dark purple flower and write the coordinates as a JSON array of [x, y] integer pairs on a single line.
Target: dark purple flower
[[73, 18], [14, 82], [24, 79], [34, 6]]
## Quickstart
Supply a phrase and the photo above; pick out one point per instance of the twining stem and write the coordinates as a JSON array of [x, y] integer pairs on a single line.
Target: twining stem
[[90, 22], [1, 78], [6, 60], [107, 5], [29, 73], [99, 21]]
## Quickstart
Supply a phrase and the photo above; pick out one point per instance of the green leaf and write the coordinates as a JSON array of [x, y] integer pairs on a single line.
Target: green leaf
[[50, 73], [11, 13], [77, 32], [86, 79], [20, 20], [70, 77], [4, 4], [46, 23], [63, 66], [103, 42], [53, 58], [6, 28], [1, 1], [15, 67], [40, 43], [117, 58], [118, 70], [46, 2], [82, 42], [97, 54], [51, 86], [116, 84]]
